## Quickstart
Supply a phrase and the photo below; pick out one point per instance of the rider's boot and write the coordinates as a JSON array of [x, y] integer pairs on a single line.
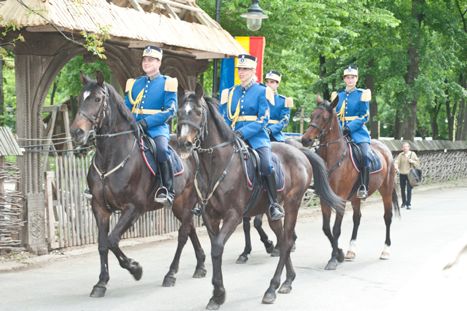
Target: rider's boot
[[165, 194], [362, 192], [275, 210]]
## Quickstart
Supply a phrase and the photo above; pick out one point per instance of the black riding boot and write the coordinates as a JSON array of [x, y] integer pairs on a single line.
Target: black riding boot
[[165, 194], [275, 210], [363, 190]]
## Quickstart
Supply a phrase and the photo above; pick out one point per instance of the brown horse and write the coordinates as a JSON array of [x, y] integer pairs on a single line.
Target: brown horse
[[223, 192], [120, 181], [333, 148]]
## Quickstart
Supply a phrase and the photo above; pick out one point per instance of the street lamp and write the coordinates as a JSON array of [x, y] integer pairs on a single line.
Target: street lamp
[[254, 16]]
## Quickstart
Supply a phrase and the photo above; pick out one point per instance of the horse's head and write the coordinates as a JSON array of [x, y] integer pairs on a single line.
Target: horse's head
[[191, 120], [320, 120], [93, 103]]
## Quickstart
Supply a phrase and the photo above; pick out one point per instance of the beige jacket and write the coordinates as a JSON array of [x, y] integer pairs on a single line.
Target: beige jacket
[[405, 161]]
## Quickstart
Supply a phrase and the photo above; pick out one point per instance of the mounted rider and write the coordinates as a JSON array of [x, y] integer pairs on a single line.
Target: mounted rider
[[280, 111], [353, 112], [152, 99], [246, 110]]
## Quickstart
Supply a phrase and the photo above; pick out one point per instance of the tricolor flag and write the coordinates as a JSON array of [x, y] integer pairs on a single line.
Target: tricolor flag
[[253, 46]]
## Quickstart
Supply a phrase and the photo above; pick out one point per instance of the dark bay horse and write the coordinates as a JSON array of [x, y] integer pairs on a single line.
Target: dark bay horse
[[222, 188], [120, 181], [333, 148]]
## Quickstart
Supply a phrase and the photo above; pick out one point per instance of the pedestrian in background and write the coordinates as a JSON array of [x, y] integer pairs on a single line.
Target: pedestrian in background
[[404, 162]]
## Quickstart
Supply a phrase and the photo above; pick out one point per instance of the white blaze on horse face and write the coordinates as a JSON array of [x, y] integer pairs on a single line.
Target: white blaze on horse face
[[86, 95], [188, 108], [185, 131]]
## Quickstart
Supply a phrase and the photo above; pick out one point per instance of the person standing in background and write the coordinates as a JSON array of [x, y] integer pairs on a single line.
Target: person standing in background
[[404, 162]]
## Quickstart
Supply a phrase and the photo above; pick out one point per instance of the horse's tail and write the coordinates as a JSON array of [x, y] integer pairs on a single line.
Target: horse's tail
[[321, 184], [395, 203]]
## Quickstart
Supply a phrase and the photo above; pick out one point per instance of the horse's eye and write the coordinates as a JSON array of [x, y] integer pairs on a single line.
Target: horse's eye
[[97, 99]]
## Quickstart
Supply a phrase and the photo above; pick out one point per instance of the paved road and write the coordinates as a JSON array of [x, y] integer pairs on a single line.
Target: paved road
[[425, 239]]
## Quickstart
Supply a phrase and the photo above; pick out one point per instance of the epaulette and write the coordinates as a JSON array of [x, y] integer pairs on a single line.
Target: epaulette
[[224, 96], [366, 95], [270, 95], [289, 102], [129, 85], [171, 84], [333, 96]]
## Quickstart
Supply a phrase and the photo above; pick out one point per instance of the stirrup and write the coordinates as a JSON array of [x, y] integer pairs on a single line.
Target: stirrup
[[163, 197], [362, 193], [197, 210], [275, 211]]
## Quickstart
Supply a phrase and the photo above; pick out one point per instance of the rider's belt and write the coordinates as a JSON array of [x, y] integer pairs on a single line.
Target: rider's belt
[[273, 121], [247, 118], [146, 111], [350, 118]]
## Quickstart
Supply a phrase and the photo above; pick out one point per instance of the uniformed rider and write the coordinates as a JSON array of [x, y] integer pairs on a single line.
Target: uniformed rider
[[280, 111], [353, 111], [246, 109], [152, 99]]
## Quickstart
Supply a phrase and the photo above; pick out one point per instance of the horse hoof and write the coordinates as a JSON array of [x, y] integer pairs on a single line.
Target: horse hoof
[[212, 305], [350, 256], [269, 247], [285, 288], [169, 281], [136, 270], [98, 291], [340, 255], [275, 253], [385, 256], [332, 265], [242, 259], [294, 247], [269, 297], [199, 273]]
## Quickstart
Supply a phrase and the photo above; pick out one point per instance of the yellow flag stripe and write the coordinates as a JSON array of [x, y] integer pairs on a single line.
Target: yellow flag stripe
[[245, 43]]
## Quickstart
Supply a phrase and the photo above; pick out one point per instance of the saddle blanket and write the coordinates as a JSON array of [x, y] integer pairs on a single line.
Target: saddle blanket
[[357, 159], [252, 171], [151, 163]]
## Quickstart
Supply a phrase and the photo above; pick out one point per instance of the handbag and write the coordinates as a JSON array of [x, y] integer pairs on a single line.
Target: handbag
[[415, 176]]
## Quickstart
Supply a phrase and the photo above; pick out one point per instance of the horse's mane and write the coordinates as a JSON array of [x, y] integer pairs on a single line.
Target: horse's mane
[[212, 105]]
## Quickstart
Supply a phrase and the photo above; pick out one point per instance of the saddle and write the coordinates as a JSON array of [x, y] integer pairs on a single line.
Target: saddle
[[149, 151], [357, 158]]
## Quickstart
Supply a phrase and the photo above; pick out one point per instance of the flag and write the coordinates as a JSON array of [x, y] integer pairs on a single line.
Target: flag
[[229, 74]]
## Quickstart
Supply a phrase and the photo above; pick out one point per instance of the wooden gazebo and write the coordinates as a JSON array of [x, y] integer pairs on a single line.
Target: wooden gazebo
[[52, 28]]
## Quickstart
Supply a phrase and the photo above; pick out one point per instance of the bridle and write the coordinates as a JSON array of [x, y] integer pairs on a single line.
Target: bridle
[[96, 120]]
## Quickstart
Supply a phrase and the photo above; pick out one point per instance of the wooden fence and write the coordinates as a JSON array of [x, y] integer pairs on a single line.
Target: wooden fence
[[70, 221]]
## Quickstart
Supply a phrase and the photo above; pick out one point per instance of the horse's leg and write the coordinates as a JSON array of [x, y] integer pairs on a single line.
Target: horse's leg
[[243, 258], [287, 243], [183, 232], [326, 212], [128, 217], [258, 223], [102, 219], [357, 215], [276, 227], [387, 201], [200, 270], [230, 222]]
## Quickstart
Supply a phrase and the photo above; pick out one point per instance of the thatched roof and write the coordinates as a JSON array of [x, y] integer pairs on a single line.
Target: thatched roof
[[175, 24]]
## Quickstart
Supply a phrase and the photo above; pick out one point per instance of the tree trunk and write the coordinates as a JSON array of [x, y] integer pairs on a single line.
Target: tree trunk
[[413, 68], [461, 133], [370, 84], [434, 120], [397, 125], [2, 95], [322, 75]]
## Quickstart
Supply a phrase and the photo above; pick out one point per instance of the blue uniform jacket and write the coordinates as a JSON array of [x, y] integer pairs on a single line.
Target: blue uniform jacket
[[153, 100], [280, 115], [352, 111], [247, 111]]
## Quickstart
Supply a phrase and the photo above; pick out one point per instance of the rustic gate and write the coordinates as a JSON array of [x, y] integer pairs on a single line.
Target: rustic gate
[[70, 219]]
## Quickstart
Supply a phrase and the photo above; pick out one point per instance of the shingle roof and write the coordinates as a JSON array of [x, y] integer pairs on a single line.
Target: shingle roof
[[136, 28]]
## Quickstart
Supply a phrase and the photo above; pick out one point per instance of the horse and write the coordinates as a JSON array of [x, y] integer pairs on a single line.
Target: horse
[[203, 133], [120, 181], [334, 149]]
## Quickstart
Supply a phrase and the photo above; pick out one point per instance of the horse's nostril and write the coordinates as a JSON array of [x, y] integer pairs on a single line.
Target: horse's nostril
[[77, 133], [188, 144]]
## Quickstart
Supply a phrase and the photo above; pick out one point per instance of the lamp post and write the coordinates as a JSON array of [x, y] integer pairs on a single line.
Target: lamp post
[[254, 18]]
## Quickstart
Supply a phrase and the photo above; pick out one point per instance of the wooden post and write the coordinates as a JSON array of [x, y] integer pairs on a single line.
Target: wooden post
[[302, 119], [50, 177]]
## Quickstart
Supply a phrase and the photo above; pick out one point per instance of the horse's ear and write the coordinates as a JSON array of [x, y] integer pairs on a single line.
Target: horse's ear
[[100, 78], [199, 91], [319, 99], [83, 78], [334, 101]]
